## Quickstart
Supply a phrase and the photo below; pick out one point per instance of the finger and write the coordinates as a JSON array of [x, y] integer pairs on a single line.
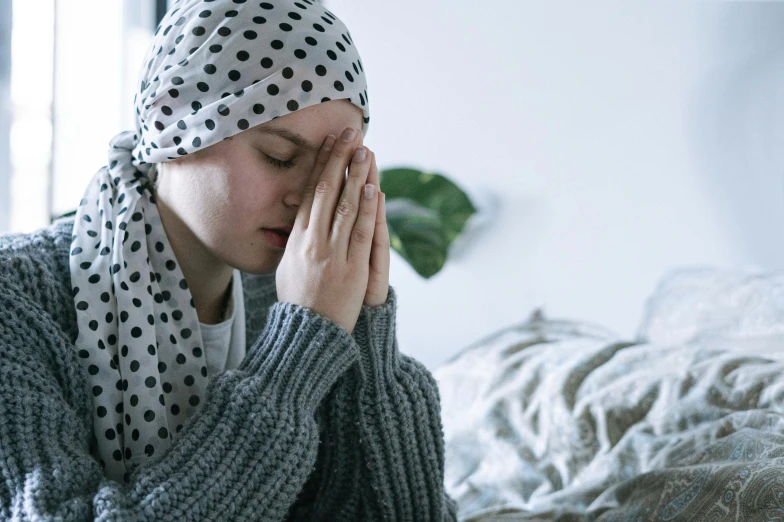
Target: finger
[[380, 258], [351, 204], [303, 213], [361, 239], [328, 188], [379, 255]]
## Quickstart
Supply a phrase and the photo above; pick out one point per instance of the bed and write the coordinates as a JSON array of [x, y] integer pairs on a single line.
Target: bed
[[555, 420]]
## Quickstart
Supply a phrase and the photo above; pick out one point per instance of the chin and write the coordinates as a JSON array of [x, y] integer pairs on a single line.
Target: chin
[[261, 266]]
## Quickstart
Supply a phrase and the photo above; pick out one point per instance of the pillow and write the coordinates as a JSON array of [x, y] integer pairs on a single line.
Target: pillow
[[709, 303]]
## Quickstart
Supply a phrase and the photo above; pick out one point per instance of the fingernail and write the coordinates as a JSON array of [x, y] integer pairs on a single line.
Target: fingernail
[[348, 134], [360, 154], [329, 142], [370, 190]]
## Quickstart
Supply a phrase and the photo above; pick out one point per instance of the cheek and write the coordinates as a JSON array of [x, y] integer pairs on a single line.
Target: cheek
[[252, 201]]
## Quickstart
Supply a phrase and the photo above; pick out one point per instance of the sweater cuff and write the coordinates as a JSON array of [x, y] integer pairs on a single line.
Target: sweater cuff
[[299, 355], [376, 338]]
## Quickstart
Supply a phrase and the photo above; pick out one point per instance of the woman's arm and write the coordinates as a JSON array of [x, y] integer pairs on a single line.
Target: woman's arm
[[383, 452], [243, 456]]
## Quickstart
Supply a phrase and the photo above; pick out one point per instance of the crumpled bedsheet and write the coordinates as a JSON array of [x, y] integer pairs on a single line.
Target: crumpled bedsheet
[[563, 421]]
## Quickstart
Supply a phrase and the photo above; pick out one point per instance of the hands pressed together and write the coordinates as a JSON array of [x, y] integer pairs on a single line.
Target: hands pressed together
[[337, 256]]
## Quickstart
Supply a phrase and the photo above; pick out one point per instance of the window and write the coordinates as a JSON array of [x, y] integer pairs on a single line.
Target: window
[[74, 69]]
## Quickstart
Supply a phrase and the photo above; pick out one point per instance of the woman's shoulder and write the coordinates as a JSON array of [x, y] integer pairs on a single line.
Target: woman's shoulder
[[34, 268], [49, 244]]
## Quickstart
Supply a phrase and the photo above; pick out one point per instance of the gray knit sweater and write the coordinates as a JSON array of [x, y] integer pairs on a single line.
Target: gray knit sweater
[[315, 423]]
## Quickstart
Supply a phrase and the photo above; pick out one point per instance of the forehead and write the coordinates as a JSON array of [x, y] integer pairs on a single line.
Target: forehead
[[307, 126]]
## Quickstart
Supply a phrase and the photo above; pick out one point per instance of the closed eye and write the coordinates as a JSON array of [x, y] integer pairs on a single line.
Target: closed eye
[[279, 163]]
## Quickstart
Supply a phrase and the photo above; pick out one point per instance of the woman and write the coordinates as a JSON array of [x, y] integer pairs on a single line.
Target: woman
[[165, 355]]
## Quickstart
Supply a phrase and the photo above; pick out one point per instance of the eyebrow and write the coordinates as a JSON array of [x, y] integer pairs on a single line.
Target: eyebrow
[[296, 139]]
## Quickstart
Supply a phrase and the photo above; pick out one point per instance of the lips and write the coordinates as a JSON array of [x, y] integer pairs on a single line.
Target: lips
[[283, 230]]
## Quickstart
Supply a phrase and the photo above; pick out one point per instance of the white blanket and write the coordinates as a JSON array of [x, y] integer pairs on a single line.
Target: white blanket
[[563, 421]]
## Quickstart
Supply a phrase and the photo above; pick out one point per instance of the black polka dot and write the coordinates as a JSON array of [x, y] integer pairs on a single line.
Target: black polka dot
[[321, 70], [210, 69], [277, 45], [273, 89], [243, 124], [266, 62]]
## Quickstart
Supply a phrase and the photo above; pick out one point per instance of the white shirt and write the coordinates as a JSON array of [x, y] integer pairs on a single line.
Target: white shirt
[[224, 343]]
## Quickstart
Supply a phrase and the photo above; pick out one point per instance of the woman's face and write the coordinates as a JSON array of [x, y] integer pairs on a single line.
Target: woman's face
[[220, 197]]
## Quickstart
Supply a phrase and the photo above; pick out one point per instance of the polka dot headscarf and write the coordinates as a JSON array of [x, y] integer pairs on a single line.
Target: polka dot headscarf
[[214, 69]]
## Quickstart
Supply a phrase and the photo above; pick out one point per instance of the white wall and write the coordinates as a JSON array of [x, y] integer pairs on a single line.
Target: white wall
[[619, 139]]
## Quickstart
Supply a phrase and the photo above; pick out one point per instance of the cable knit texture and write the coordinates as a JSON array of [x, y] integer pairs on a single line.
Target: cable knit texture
[[315, 423]]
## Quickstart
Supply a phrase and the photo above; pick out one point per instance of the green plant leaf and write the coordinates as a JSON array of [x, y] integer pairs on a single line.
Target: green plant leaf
[[425, 213], [67, 214]]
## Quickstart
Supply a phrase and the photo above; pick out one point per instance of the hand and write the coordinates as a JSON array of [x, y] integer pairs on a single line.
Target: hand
[[327, 260], [378, 277]]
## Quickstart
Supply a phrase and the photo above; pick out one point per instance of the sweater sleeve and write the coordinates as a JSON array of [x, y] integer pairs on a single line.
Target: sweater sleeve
[[382, 457], [244, 455]]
